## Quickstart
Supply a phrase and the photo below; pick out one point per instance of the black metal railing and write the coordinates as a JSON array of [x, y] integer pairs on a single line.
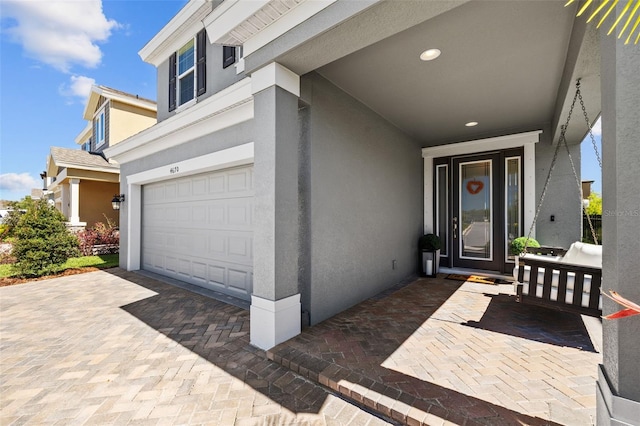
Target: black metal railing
[[596, 221]]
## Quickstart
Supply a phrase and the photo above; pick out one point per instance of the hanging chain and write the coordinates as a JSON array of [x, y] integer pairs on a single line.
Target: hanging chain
[[553, 165], [586, 118], [595, 149], [563, 141], [583, 208]]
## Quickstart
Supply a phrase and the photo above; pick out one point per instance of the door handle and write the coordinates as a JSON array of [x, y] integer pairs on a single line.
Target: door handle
[[455, 227]]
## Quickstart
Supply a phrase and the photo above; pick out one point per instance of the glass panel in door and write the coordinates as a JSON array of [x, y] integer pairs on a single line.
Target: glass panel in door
[[477, 230], [476, 212], [513, 202], [442, 207]]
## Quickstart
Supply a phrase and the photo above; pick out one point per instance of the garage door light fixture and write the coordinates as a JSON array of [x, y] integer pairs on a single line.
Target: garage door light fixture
[[115, 202]]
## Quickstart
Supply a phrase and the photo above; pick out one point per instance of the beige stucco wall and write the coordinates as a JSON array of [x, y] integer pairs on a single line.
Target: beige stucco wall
[[95, 201], [127, 120], [96, 191]]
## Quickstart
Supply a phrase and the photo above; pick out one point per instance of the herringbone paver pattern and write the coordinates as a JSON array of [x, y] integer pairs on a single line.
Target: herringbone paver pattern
[[439, 350], [118, 348]]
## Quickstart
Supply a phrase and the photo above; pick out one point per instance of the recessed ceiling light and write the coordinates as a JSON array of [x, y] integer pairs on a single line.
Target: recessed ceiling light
[[471, 124], [430, 54]]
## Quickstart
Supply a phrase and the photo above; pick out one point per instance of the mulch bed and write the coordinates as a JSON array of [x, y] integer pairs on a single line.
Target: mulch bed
[[4, 282]]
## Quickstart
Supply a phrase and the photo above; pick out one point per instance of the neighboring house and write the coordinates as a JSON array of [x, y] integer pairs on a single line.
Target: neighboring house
[[303, 147], [586, 190], [82, 182]]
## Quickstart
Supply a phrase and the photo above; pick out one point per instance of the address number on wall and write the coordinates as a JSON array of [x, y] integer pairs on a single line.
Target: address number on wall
[[175, 169]]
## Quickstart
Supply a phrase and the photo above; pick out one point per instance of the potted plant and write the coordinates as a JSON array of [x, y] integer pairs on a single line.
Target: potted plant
[[516, 248], [430, 243], [517, 245]]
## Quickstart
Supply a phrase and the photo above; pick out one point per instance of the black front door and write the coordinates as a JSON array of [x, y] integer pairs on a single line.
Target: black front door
[[476, 222], [478, 208]]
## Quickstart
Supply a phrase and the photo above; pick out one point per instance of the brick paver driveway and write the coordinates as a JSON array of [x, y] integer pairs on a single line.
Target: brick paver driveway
[[441, 350], [113, 347]]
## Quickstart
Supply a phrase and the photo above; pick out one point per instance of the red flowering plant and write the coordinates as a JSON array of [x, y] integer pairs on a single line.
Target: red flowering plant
[[99, 234]]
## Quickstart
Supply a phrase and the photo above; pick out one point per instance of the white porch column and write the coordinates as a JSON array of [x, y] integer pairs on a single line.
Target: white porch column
[[74, 201], [275, 303], [618, 387], [64, 199]]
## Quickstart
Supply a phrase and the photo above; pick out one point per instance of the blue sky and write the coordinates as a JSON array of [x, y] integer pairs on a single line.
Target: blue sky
[[50, 54], [590, 167]]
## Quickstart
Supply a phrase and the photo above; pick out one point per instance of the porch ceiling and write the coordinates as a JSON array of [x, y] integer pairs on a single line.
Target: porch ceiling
[[501, 65]]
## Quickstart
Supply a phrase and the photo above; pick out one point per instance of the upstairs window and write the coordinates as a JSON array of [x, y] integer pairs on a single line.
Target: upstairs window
[[228, 56], [187, 71], [99, 128]]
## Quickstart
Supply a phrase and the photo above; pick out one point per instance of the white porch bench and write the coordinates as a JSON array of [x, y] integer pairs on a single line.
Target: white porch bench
[[568, 283]]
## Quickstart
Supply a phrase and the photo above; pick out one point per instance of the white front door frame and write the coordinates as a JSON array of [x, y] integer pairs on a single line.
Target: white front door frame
[[525, 140], [240, 155]]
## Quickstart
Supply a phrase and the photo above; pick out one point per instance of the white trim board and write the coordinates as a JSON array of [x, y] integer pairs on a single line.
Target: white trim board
[[274, 321], [275, 74], [526, 140], [616, 409], [481, 145], [97, 91], [229, 15], [226, 108], [184, 25], [285, 23], [231, 157], [255, 24], [235, 156]]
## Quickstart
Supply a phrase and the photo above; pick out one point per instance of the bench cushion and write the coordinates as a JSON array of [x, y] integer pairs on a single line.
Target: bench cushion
[[584, 254]]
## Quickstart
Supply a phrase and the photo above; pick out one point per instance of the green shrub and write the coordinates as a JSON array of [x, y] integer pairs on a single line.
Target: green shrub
[[10, 221], [4, 229], [429, 242], [43, 242], [517, 245]]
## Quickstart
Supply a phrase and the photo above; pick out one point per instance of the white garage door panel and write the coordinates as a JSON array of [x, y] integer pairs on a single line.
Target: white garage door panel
[[198, 229]]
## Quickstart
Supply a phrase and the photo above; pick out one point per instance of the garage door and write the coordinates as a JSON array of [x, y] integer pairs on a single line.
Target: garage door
[[198, 229]]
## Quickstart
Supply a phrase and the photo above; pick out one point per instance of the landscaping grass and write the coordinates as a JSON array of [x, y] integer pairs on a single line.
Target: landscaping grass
[[102, 262]]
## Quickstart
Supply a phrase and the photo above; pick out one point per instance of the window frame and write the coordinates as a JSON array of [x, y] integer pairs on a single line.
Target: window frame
[[180, 77], [99, 126], [229, 56], [198, 68]]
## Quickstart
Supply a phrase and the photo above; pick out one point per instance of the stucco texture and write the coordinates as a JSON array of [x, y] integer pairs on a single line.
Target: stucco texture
[[95, 202], [562, 199], [363, 198], [127, 120], [218, 78]]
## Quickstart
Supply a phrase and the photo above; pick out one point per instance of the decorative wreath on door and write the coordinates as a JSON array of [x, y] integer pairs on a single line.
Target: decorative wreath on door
[[474, 186]]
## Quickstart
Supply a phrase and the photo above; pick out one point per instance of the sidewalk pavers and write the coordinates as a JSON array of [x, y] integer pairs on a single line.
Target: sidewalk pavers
[[441, 351], [114, 347]]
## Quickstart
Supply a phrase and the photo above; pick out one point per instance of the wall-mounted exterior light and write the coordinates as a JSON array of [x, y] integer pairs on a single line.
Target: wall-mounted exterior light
[[115, 202]]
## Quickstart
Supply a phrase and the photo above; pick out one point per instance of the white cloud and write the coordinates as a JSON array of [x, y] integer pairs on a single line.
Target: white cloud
[[18, 182], [79, 86], [60, 33], [596, 128]]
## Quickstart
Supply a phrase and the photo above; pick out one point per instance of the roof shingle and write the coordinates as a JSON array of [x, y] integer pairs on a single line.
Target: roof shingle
[[65, 157]]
